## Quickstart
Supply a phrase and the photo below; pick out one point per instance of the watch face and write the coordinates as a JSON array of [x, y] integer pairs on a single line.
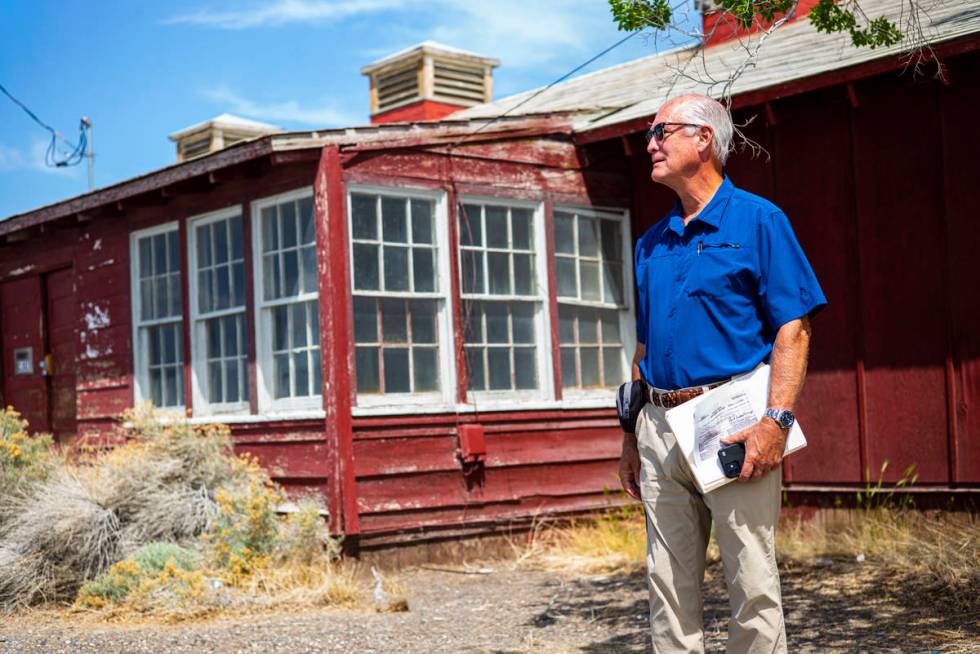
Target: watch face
[[786, 419]]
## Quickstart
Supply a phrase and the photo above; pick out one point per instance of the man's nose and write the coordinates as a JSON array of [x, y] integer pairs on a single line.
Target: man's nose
[[652, 145]]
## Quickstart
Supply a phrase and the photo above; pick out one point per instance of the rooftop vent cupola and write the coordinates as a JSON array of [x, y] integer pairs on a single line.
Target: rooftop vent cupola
[[428, 81], [217, 133]]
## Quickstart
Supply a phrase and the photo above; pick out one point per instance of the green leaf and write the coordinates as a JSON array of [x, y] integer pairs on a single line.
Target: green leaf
[[633, 15]]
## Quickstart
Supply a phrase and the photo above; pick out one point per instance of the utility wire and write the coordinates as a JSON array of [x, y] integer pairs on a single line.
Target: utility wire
[[72, 158], [542, 90]]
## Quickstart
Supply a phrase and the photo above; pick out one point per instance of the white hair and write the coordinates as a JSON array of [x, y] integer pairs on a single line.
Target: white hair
[[702, 110]]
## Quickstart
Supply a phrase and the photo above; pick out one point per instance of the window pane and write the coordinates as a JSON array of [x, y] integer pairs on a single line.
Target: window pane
[[396, 370], [213, 328], [394, 222], [474, 368], [498, 363], [568, 367], [214, 382], [496, 317], [496, 222], [220, 231], [160, 297], [280, 365], [156, 386], [423, 270], [590, 366], [590, 280], [203, 235], [566, 324], [287, 224], [470, 230], [307, 232], [396, 268], [365, 320], [498, 270], [146, 299], [472, 322], [368, 378], [523, 274], [171, 387], [146, 256], [520, 220], [567, 278], [238, 270], [525, 368], [610, 327], [423, 322], [564, 233], [611, 243], [313, 316], [472, 263], [317, 373], [229, 327], [612, 277], [222, 276], [301, 369], [308, 255], [523, 322], [426, 369], [173, 250], [394, 321], [422, 221], [176, 295], [236, 237], [204, 301], [587, 330], [154, 346], [364, 216], [169, 337], [588, 237], [231, 381], [271, 276], [298, 326], [270, 233], [290, 273], [366, 267], [280, 328], [612, 366]]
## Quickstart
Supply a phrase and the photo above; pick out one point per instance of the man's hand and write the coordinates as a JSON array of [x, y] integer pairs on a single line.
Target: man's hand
[[629, 467], [764, 446]]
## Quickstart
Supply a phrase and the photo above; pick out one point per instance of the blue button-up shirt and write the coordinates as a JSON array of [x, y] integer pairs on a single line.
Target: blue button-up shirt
[[713, 293]]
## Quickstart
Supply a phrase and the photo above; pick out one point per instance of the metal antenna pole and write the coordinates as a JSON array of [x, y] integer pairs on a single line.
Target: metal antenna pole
[[89, 154]]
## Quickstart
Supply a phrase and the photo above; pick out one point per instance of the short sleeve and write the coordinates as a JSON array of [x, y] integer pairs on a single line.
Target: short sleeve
[[641, 300], [788, 287]]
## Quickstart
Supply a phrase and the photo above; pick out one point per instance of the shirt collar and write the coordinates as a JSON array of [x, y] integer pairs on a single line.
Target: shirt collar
[[712, 212]]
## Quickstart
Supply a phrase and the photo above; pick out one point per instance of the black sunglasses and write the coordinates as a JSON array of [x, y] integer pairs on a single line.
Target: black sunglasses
[[657, 131]]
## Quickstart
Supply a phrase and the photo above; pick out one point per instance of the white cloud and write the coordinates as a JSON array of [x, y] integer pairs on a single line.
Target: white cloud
[[281, 12], [288, 110], [13, 159]]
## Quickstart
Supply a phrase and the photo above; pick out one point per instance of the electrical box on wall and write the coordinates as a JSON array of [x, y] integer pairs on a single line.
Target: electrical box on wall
[[24, 361], [472, 443]]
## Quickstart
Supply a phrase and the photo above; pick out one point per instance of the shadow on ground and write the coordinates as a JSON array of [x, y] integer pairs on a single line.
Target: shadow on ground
[[839, 606]]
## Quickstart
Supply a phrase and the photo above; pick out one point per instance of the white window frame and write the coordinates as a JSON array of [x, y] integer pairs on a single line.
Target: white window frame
[[141, 370], [446, 395], [263, 315], [541, 301], [199, 363], [627, 311]]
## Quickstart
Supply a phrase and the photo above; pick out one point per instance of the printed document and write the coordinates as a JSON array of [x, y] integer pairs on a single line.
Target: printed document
[[701, 423]]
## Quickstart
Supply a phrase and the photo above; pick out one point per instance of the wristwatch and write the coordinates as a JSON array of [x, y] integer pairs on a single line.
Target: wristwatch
[[783, 417]]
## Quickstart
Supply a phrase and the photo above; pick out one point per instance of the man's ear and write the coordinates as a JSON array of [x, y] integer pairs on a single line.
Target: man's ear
[[705, 137]]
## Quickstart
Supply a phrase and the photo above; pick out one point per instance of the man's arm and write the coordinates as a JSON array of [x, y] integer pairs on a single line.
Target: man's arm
[[765, 441], [629, 462]]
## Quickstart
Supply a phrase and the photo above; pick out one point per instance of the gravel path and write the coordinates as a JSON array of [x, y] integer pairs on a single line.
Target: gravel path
[[834, 607]]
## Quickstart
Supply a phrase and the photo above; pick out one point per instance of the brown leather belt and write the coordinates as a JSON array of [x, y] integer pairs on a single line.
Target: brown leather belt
[[670, 399]]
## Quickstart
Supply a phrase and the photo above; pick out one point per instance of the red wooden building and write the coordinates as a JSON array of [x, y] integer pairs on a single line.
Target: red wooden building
[[424, 321]]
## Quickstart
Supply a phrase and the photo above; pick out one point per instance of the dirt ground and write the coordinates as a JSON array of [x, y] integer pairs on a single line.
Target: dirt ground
[[841, 606]]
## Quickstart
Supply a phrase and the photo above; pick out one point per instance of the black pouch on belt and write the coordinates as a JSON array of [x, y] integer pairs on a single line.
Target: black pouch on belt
[[630, 399]]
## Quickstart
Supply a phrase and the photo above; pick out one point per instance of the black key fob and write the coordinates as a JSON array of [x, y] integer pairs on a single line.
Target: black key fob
[[731, 458]]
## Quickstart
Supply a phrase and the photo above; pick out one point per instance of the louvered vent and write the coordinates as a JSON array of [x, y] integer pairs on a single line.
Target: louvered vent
[[398, 87], [195, 148], [460, 84]]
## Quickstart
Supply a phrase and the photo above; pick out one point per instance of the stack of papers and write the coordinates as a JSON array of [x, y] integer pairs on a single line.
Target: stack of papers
[[701, 423]]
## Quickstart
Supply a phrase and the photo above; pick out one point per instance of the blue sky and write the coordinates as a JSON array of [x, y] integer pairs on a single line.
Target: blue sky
[[141, 70]]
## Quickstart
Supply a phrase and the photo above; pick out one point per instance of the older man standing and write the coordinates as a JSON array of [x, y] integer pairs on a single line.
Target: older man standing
[[723, 285]]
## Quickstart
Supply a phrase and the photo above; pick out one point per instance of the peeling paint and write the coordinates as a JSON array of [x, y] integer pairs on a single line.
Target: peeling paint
[[96, 317], [97, 245], [22, 270], [96, 266]]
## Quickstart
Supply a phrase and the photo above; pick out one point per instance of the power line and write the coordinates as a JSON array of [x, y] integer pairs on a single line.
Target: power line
[[71, 158], [542, 90]]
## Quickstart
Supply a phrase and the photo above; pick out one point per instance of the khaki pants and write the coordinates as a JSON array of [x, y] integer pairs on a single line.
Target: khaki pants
[[679, 521]]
